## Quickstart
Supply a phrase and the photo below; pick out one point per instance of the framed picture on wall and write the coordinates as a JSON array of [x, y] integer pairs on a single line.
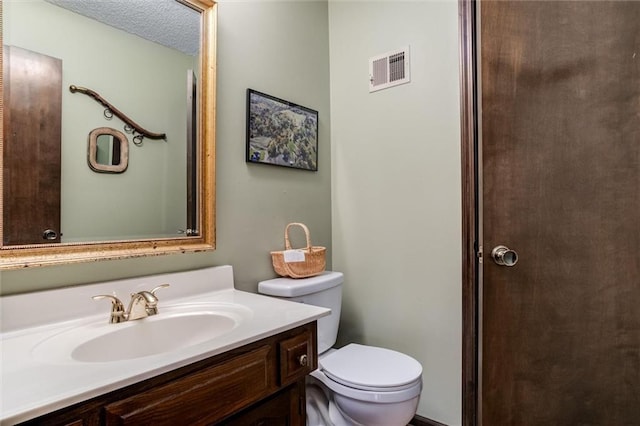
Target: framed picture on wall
[[281, 133]]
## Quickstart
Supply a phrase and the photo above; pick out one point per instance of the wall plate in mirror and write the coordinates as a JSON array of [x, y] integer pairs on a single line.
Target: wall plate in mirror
[[108, 150]]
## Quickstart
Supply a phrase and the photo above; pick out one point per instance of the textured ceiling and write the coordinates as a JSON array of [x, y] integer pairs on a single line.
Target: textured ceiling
[[166, 22]]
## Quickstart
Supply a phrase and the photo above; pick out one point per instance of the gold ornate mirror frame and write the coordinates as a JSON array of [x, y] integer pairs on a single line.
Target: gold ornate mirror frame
[[22, 256]]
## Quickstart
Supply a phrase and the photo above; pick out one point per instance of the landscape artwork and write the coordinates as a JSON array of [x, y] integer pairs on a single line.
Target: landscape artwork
[[281, 133]]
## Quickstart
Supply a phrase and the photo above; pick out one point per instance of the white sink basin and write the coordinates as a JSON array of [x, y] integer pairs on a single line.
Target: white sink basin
[[175, 327]]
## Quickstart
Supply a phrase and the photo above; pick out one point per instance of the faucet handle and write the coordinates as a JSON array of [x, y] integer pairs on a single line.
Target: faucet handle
[[158, 288], [117, 308], [114, 300]]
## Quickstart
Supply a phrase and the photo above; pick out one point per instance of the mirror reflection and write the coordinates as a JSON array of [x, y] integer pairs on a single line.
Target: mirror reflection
[[108, 151], [51, 45]]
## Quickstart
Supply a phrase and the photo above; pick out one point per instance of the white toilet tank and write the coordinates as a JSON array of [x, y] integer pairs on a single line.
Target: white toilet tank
[[322, 290]]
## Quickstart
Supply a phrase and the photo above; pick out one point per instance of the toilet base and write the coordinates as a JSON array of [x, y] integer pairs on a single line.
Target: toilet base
[[317, 406], [326, 408]]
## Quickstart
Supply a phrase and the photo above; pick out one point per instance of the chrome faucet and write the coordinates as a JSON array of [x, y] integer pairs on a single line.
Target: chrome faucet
[[143, 304]]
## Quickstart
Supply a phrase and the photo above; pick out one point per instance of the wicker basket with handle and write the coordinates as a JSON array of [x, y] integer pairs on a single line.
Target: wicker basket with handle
[[299, 263]]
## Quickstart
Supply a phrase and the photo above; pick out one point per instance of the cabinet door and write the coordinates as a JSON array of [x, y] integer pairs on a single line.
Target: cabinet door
[[32, 146], [203, 397], [284, 409], [82, 415]]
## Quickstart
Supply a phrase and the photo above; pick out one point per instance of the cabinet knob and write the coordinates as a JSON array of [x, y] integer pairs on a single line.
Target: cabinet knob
[[303, 360]]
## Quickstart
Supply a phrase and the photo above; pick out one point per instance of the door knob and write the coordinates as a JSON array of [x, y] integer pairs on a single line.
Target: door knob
[[49, 234], [504, 256]]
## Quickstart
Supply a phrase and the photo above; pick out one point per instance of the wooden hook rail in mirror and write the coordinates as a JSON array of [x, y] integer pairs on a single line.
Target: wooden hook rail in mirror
[[115, 111]]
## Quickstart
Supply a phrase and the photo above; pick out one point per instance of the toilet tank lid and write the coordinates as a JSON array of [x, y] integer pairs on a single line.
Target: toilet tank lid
[[289, 287]]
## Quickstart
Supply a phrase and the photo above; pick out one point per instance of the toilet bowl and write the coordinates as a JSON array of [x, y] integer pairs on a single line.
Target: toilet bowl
[[366, 385], [356, 384]]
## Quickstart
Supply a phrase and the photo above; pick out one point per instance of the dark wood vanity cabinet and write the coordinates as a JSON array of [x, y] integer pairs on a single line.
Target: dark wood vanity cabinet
[[261, 384]]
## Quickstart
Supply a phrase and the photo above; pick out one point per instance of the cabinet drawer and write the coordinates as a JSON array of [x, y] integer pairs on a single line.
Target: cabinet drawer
[[202, 397], [296, 357]]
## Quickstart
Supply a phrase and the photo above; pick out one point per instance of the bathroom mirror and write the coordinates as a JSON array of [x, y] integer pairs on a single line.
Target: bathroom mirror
[[122, 204]]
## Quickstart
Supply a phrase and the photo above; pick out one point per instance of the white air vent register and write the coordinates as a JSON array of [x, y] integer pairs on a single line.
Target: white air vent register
[[389, 69]]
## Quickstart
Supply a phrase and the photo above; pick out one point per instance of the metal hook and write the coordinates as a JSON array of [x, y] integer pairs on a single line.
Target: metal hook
[[137, 140], [128, 129], [108, 114]]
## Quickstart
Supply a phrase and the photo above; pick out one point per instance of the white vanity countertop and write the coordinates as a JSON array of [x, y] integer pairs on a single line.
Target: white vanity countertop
[[31, 386]]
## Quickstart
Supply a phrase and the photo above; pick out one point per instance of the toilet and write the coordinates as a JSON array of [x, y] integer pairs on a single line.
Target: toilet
[[356, 384]]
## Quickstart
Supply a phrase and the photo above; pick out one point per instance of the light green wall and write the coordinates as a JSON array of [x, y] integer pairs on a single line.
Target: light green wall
[[396, 189], [280, 48], [144, 80]]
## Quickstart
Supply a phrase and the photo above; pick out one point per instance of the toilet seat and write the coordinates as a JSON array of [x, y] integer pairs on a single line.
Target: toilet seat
[[362, 372], [412, 391], [367, 368]]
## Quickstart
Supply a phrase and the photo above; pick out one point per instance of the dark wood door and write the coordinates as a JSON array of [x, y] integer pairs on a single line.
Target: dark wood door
[[560, 122], [32, 95]]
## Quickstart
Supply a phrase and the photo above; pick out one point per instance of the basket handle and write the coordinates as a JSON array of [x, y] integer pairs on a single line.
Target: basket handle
[[287, 243]]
